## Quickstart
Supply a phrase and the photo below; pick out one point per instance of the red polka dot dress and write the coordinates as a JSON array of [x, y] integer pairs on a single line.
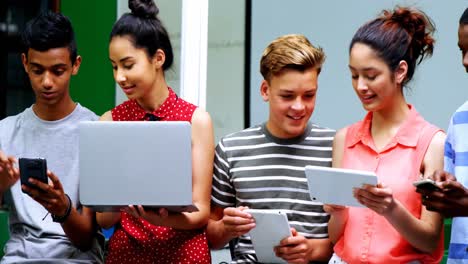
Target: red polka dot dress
[[137, 241]]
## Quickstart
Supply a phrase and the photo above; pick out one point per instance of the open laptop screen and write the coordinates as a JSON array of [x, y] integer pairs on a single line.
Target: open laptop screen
[[138, 163]]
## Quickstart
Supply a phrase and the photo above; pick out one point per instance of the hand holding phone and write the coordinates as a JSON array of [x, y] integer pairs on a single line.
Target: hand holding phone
[[33, 168], [427, 184]]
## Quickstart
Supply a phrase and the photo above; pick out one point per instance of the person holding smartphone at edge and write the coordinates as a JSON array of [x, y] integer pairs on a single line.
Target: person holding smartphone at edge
[[140, 52], [393, 227], [451, 200], [47, 223], [262, 167]]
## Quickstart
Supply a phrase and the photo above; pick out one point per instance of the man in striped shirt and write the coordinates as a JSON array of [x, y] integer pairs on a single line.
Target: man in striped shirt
[[262, 167], [452, 200]]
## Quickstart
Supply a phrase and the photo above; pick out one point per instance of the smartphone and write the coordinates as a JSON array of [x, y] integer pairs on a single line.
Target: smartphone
[[33, 168], [427, 184]]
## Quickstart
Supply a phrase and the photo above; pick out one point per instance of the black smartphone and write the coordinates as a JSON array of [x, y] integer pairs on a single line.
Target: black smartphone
[[33, 168], [427, 184]]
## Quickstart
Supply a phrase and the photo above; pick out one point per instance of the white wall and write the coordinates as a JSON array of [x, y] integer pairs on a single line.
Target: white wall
[[225, 82], [439, 86]]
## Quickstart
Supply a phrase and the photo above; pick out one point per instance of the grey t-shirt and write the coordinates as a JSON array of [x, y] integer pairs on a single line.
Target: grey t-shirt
[[32, 239]]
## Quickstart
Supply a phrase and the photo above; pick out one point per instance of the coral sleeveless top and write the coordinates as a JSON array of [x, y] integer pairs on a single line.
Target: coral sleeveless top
[[368, 237], [137, 241]]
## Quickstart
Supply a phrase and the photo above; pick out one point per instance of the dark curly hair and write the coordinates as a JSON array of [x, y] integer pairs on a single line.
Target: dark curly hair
[[47, 31]]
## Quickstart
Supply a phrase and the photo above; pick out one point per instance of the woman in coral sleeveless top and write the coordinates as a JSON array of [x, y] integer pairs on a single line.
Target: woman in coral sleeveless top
[[140, 51], [393, 141]]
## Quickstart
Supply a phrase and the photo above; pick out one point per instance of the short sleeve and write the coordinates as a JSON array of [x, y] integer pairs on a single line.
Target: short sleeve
[[449, 153], [223, 193]]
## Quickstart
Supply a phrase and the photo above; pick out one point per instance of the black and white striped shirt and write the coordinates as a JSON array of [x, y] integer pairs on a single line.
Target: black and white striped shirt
[[255, 169]]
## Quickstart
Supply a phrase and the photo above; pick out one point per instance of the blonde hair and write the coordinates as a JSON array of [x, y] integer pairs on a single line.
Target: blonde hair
[[292, 51]]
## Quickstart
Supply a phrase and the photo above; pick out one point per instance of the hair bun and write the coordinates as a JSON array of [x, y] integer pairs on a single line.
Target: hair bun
[[414, 21], [143, 8], [418, 25]]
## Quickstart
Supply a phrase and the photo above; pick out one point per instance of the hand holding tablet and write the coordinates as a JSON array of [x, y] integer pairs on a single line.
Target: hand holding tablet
[[271, 226]]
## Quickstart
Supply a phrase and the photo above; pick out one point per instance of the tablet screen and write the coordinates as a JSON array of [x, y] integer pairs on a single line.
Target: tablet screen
[[335, 185]]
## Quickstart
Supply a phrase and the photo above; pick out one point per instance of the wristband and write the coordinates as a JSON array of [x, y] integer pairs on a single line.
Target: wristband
[[63, 218]]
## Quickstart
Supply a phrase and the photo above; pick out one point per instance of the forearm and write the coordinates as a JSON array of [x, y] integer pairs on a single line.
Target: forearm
[[187, 221], [80, 229], [321, 249], [216, 235], [107, 220], [4, 188], [420, 234], [336, 226]]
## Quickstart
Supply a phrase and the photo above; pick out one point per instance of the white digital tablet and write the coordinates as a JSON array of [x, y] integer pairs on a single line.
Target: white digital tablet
[[271, 226], [335, 186]]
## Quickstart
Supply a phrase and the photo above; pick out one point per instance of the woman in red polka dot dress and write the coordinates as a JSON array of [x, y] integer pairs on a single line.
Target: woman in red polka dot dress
[[140, 51]]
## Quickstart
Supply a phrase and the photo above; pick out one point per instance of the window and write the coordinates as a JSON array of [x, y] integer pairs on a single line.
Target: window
[[15, 89]]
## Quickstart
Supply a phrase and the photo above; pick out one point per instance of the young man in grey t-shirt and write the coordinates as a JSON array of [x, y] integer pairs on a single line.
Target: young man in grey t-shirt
[[47, 224]]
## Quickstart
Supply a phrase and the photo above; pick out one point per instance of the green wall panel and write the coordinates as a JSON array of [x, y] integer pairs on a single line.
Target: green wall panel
[[4, 231], [92, 20]]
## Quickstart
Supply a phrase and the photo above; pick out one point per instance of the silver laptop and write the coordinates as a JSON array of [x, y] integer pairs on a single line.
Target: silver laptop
[[138, 163]]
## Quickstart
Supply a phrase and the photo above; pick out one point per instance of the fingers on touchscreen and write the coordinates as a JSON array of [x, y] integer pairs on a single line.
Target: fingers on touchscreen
[[427, 185]]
